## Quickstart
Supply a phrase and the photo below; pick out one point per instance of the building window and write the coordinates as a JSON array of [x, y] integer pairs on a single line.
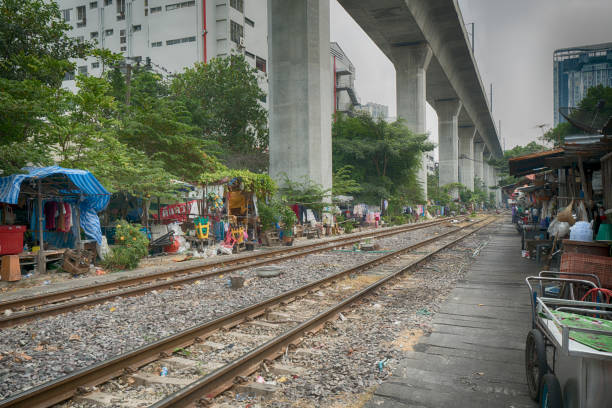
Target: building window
[[146, 12], [80, 39], [122, 33], [81, 16], [156, 44], [123, 48], [146, 3], [250, 22], [122, 40], [136, 28], [66, 14], [264, 99], [120, 10], [95, 65], [83, 70], [248, 54], [108, 2], [69, 76], [236, 32], [108, 32], [180, 40], [93, 34], [155, 9], [180, 5], [238, 5], [93, 5], [260, 64]]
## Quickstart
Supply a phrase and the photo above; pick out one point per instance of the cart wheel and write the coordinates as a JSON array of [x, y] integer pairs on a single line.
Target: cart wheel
[[535, 362], [550, 392]]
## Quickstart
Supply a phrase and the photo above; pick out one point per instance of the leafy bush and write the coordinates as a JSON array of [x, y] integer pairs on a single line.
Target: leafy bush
[[268, 215], [288, 218], [274, 212], [131, 246], [349, 226]]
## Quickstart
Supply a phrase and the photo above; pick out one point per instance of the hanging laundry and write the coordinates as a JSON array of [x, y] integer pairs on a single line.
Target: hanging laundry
[[61, 220], [50, 214]]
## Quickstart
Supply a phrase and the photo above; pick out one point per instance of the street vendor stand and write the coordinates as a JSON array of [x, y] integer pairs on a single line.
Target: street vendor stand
[[79, 197]]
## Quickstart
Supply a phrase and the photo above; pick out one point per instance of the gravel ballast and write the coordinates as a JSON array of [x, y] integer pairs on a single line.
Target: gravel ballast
[[52, 347]]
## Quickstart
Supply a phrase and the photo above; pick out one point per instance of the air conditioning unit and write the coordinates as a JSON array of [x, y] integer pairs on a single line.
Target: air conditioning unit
[[242, 42]]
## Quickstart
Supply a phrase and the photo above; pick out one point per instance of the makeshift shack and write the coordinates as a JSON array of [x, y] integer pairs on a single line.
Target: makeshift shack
[[563, 202], [53, 204]]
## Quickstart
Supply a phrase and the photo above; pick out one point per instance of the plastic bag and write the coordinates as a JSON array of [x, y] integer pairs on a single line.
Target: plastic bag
[[581, 212], [103, 248], [558, 228]]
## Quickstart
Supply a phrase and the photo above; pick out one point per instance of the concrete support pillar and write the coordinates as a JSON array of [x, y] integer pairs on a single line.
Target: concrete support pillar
[[411, 64], [478, 161], [448, 145], [498, 192], [300, 83], [485, 169], [466, 156], [486, 177]]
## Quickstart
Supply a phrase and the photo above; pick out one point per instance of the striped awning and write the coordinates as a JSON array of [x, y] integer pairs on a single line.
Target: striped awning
[[90, 194]]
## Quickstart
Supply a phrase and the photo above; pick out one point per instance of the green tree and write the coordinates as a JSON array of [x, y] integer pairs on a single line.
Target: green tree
[[35, 54], [384, 157], [224, 97], [501, 164], [594, 109], [159, 125]]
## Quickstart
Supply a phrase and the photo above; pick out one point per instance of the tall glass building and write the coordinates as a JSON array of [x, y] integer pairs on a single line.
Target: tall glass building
[[576, 70]]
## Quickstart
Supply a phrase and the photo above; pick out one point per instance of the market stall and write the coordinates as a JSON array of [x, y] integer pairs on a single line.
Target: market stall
[[53, 205], [561, 201]]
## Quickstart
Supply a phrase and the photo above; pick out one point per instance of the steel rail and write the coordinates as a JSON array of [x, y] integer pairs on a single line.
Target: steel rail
[[221, 379], [23, 317], [63, 388], [70, 294]]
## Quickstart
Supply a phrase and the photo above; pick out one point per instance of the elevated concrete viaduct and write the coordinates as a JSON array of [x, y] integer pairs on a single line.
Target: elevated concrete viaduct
[[427, 42]]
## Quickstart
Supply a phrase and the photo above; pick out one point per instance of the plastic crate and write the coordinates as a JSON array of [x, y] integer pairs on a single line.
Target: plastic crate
[[587, 263], [11, 239]]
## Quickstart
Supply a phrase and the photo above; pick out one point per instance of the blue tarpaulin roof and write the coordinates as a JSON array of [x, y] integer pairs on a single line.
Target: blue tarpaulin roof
[[93, 196]]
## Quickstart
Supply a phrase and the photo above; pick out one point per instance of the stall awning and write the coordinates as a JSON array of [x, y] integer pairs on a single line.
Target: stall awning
[[84, 188], [532, 163]]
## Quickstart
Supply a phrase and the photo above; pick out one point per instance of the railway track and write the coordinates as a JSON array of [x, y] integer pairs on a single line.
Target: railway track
[[240, 360], [34, 307]]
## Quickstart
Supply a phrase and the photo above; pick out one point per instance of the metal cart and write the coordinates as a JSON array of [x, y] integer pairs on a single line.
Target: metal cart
[[561, 371]]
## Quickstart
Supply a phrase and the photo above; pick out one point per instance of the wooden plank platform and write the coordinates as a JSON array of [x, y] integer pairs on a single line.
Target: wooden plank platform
[[475, 354]]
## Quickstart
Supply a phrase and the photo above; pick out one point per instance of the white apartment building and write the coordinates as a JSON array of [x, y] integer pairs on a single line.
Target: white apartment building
[[174, 34]]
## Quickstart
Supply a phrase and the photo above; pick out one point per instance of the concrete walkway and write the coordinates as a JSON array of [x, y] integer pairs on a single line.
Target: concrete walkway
[[475, 354]]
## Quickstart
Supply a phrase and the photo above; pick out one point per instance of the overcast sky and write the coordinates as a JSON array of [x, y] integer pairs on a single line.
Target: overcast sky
[[515, 40]]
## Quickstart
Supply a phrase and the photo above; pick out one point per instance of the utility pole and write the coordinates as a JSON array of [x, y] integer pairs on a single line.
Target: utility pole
[[128, 81], [471, 34]]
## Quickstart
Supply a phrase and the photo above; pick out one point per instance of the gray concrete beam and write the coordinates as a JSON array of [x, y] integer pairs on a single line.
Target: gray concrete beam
[[466, 156], [300, 83], [448, 140], [411, 64]]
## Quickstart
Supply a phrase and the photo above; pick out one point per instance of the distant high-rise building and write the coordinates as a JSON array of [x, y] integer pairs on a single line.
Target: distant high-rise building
[[576, 70], [376, 110], [170, 34]]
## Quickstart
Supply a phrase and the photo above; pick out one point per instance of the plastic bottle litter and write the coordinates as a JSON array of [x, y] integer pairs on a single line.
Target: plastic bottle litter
[[164, 372]]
